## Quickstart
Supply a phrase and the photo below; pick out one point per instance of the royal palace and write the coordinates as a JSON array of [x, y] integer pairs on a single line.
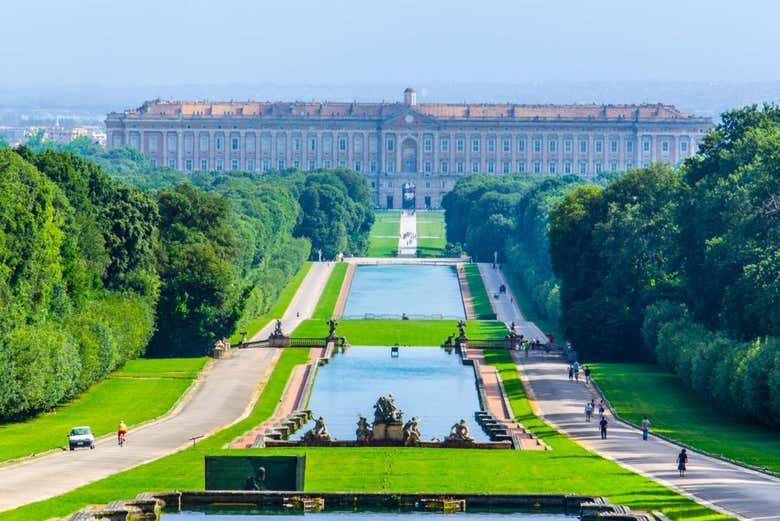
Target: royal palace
[[411, 153]]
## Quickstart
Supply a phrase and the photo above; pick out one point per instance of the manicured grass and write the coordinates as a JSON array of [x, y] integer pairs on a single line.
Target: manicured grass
[[402, 332], [479, 297], [431, 233], [278, 309], [154, 383], [636, 390], [181, 470], [330, 294], [383, 238]]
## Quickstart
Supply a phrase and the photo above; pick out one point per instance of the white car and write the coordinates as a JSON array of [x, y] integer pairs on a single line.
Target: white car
[[81, 437]]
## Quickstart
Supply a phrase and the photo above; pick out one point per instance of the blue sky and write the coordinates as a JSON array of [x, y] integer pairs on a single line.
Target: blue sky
[[180, 42]]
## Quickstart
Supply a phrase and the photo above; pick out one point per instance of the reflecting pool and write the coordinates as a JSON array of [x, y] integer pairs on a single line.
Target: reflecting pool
[[420, 291], [213, 515], [426, 382]]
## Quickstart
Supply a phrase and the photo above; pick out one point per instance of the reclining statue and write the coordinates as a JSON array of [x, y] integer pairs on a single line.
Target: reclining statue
[[412, 432], [460, 432], [318, 433]]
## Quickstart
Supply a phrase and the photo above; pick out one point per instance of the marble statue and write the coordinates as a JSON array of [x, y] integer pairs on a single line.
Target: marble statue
[[460, 432], [412, 432], [318, 433], [363, 432]]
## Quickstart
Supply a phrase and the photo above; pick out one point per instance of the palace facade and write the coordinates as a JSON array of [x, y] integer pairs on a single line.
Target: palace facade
[[411, 153]]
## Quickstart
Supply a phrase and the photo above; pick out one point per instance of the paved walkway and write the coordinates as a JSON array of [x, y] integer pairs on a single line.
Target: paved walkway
[[505, 306], [222, 396], [723, 486], [407, 242]]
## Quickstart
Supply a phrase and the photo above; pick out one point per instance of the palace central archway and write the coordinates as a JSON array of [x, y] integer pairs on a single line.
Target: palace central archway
[[409, 156]]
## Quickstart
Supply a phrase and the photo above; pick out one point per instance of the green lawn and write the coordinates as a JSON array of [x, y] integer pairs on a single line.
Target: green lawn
[[156, 383], [636, 390], [402, 332], [278, 309], [330, 294], [383, 238], [431, 233], [479, 297], [568, 468]]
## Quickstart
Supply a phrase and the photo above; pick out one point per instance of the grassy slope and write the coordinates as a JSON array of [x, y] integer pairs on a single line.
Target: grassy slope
[[383, 238], [277, 310], [639, 389], [331, 292], [403, 332], [156, 383], [479, 296], [431, 233], [182, 470]]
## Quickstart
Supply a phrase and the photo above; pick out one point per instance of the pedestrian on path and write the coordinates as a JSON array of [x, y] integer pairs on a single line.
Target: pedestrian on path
[[588, 411], [682, 462], [645, 428], [587, 374], [603, 427], [571, 373], [601, 407]]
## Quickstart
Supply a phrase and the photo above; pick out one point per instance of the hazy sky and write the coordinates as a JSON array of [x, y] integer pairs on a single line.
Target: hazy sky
[[177, 42]]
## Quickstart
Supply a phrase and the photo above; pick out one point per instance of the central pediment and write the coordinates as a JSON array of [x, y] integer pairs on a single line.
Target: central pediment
[[407, 117]]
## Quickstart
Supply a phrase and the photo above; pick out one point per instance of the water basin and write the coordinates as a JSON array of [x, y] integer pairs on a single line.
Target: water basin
[[272, 515], [420, 291], [426, 382]]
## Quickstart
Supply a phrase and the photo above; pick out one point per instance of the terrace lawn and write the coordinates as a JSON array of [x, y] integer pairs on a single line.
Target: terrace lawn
[[330, 294], [278, 309], [402, 332], [479, 297], [431, 233], [568, 468], [675, 411], [157, 383], [383, 238]]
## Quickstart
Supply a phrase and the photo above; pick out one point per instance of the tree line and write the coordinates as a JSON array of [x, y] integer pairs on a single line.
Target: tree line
[[102, 264]]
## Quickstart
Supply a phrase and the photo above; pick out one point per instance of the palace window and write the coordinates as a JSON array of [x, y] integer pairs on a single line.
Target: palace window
[[521, 166], [391, 166], [153, 142], [598, 167], [445, 167], [204, 142], [567, 146], [445, 145], [665, 147], [342, 163], [219, 143], [459, 167], [505, 167], [188, 165], [328, 163], [491, 145], [459, 145], [234, 164], [567, 167], [327, 144], [537, 167], [171, 142], [475, 167], [505, 146], [312, 164], [220, 166], [491, 167], [629, 165], [427, 144], [280, 164], [266, 165], [551, 167], [265, 144], [390, 144], [614, 166], [552, 146], [342, 144], [475, 145], [204, 165], [297, 164], [234, 143], [599, 146], [358, 144], [153, 162], [629, 146], [583, 167], [537, 146], [521, 145], [297, 144], [646, 146], [427, 184], [684, 147], [372, 144], [583, 146], [172, 164], [427, 167], [250, 164], [358, 165], [372, 166], [646, 164], [281, 144], [613, 146], [313, 144]]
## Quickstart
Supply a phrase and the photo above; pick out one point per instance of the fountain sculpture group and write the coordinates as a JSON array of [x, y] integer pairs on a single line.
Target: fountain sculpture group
[[388, 428]]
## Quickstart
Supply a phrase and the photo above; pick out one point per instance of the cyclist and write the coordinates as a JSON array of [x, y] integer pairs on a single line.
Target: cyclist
[[121, 432]]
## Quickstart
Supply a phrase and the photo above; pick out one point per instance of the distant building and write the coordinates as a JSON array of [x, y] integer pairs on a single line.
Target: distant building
[[68, 134], [411, 153]]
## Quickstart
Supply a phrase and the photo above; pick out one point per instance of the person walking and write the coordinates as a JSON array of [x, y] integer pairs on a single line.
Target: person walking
[[571, 373], [682, 462], [576, 366], [603, 427], [645, 428], [588, 411], [587, 374], [601, 407]]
